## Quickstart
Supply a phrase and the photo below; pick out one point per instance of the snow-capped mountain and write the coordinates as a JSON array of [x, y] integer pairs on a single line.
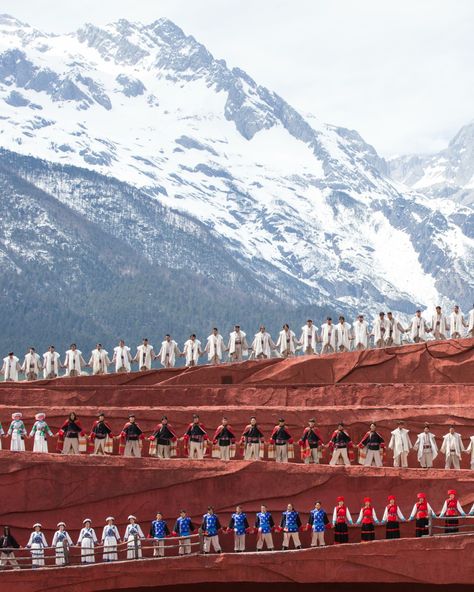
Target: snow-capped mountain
[[289, 210]]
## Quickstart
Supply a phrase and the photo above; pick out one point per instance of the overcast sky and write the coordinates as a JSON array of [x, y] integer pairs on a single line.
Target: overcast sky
[[398, 71]]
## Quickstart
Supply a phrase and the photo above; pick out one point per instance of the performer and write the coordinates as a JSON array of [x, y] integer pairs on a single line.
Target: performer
[[318, 522], [372, 445], [210, 528], [457, 323], [195, 439], [290, 523], [101, 437], [391, 517], [61, 541], [343, 335], [2, 433], [39, 431], [401, 445], [69, 435], [110, 538], [168, 353], [239, 524], [339, 443], [184, 528], [144, 356], [32, 365], [192, 350], [361, 333], [122, 357], [426, 447], [421, 513], [419, 328], [379, 330], [131, 438], [451, 510], [452, 447], [439, 324], [311, 443], [286, 344], [7, 544], [253, 441], [99, 361], [11, 367], [159, 531], [281, 442], [469, 450], [395, 330], [87, 539], [163, 440], [215, 347], [51, 363], [341, 517], [224, 441], [264, 524], [368, 519], [262, 345], [73, 361], [470, 323], [18, 432], [133, 535], [328, 337], [237, 346], [37, 543], [309, 338]]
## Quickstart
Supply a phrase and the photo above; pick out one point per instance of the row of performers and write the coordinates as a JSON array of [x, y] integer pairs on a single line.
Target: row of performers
[[72, 439], [290, 525]]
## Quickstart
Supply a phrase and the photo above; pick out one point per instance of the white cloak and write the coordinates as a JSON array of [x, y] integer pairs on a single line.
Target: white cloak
[[343, 335], [361, 333], [192, 351], [122, 357], [423, 440], [470, 448], [443, 326], [11, 367], [215, 347], [283, 344], [263, 344], [395, 326], [31, 363], [328, 335], [452, 442], [456, 323], [73, 361], [418, 328], [50, 363], [380, 329], [144, 356], [99, 361], [309, 337], [400, 441], [470, 324], [233, 337], [168, 352]]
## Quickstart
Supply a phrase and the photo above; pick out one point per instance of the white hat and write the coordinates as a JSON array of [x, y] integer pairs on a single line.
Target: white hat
[[40, 416], [17, 415], [37, 524], [86, 520], [110, 518], [132, 517], [61, 524]]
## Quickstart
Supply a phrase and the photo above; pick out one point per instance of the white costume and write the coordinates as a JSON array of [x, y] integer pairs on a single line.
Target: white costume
[[400, 444], [17, 431], [453, 448], [37, 543], [393, 335], [215, 348], [286, 343], [343, 336], [50, 364], [144, 356], [74, 362], [39, 430], [58, 541], [262, 345], [122, 358], [470, 449], [192, 351], [427, 449], [328, 338], [309, 338], [11, 367], [418, 329], [168, 352], [99, 361], [379, 331], [360, 331], [110, 538], [130, 532], [470, 323], [439, 326], [31, 366], [456, 324], [237, 346], [87, 539]]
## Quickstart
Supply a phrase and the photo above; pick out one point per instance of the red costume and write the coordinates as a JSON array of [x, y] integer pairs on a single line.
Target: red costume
[[340, 518], [367, 518]]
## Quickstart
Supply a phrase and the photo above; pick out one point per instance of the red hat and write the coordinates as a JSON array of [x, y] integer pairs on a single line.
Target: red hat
[[367, 500], [421, 496], [452, 492], [390, 498], [340, 499]]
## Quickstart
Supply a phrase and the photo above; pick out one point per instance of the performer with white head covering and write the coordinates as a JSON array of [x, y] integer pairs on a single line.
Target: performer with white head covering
[[62, 541], [18, 432], [133, 534], [87, 539], [110, 538], [37, 543], [39, 432]]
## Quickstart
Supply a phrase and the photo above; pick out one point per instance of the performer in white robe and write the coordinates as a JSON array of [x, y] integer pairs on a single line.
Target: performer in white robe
[[39, 432], [452, 448], [144, 356], [192, 350], [32, 365], [99, 360], [343, 335], [470, 450], [457, 323], [395, 330], [237, 346], [168, 353], [401, 445], [215, 347], [379, 330], [309, 338], [122, 357], [37, 543], [262, 345], [361, 333], [419, 328], [110, 538], [439, 325], [328, 337], [470, 323], [18, 433], [426, 447], [11, 367], [61, 539], [286, 343], [74, 362], [51, 363], [87, 539], [133, 534]]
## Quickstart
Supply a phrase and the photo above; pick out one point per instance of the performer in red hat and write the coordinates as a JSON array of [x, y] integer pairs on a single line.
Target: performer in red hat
[[368, 519], [341, 517], [421, 513], [391, 517], [451, 510]]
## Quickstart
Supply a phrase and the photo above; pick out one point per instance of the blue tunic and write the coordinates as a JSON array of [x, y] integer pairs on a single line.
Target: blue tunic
[[318, 520], [159, 529], [184, 526], [291, 520], [239, 523], [264, 522], [210, 524]]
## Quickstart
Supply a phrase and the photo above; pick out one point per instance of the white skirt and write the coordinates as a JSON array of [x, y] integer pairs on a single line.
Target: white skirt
[[40, 443], [37, 555], [87, 550], [60, 559], [17, 443], [110, 549], [132, 552]]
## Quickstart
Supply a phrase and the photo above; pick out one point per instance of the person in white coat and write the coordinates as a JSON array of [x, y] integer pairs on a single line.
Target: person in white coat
[[215, 347], [470, 450], [61, 541], [51, 363], [87, 540], [262, 344], [133, 534], [419, 329], [122, 357], [32, 365], [395, 330], [439, 324], [309, 338], [40, 431], [11, 367], [99, 360], [328, 337], [192, 350], [237, 346], [286, 343], [457, 323], [37, 543], [110, 539], [470, 323], [168, 353], [343, 335], [400, 445], [426, 447], [379, 330], [73, 362], [18, 433], [361, 333], [452, 447], [144, 356]]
